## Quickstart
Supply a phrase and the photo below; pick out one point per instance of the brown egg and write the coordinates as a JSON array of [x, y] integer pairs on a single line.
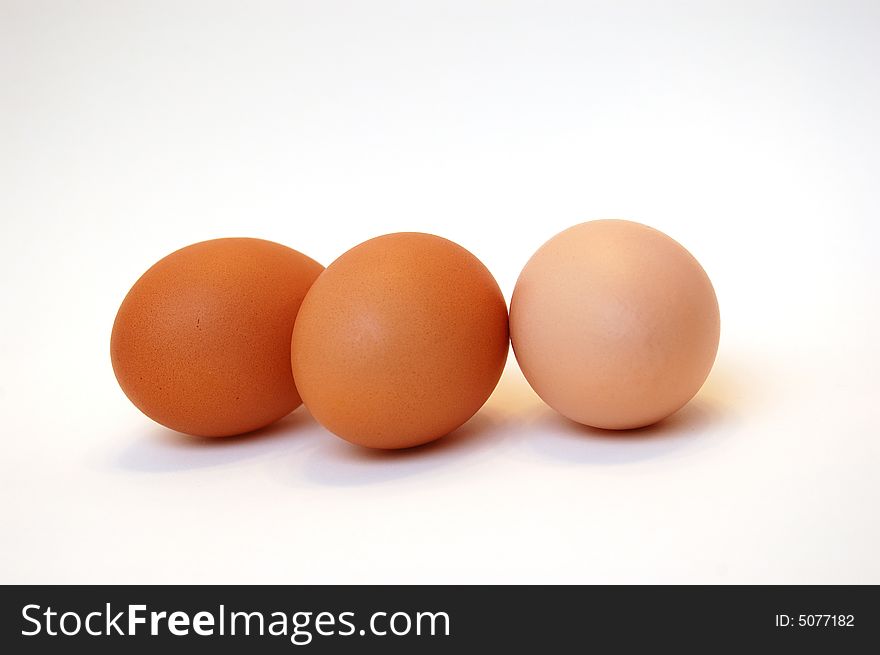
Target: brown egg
[[400, 341], [614, 324], [201, 343]]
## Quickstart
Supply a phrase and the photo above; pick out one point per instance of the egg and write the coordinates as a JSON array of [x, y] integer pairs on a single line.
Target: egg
[[614, 324], [201, 343], [400, 341]]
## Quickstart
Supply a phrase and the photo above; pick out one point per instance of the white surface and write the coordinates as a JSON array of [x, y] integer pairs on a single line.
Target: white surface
[[747, 131]]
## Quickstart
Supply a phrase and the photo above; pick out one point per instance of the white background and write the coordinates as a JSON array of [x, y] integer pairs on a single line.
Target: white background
[[747, 131]]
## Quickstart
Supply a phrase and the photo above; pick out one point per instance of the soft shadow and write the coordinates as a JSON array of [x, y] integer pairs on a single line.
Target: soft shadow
[[695, 425], [161, 450], [731, 385], [335, 462]]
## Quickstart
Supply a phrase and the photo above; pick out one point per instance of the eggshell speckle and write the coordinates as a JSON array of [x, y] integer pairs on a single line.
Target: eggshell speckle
[[400, 341], [614, 324], [201, 343]]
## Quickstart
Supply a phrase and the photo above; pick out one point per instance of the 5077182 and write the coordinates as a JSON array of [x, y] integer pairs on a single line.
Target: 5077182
[[815, 620]]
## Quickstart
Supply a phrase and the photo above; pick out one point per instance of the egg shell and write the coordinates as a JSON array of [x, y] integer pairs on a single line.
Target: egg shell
[[400, 341], [201, 343], [614, 324]]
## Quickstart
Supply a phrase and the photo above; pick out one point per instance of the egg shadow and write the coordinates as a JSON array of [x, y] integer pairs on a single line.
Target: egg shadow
[[161, 450], [335, 462], [699, 424]]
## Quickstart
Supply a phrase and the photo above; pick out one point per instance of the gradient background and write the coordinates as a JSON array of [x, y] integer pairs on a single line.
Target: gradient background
[[749, 131]]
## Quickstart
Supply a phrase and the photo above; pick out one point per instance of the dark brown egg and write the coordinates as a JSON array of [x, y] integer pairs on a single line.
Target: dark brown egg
[[400, 341], [201, 343]]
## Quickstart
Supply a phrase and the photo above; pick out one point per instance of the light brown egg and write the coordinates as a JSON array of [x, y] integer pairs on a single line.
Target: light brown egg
[[201, 343], [400, 341], [614, 324]]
